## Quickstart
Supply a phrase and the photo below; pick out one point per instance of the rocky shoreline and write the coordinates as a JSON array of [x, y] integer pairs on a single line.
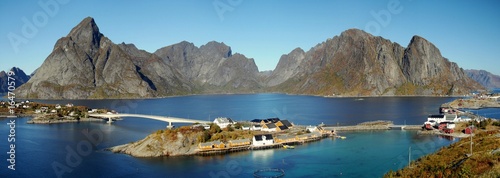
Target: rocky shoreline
[[184, 143], [472, 103], [45, 119]]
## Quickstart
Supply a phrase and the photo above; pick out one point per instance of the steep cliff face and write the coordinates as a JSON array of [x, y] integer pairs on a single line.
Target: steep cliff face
[[357, 63], [19, 78], [485, 78], [288, 66], [212, 67], [86, 64]]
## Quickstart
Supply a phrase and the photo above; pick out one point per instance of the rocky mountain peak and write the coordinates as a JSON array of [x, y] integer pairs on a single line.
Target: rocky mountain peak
[[220, 49], [86, 32], [20, 78], [485, 78]]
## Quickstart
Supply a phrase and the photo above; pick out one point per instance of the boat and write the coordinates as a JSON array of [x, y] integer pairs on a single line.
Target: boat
[[288, 147], [341, 137]]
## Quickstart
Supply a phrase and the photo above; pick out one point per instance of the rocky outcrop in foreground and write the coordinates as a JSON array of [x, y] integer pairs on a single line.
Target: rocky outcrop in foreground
[[160, 144]]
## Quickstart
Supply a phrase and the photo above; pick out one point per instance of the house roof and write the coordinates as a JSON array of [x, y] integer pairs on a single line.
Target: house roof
[[262, 137], [256, 120], [239, 141], [285, 137], [436, 116], [273, 120], [223, 120], [286, 123], [311, 127], [283, 127], [310, 135], [270, 126]]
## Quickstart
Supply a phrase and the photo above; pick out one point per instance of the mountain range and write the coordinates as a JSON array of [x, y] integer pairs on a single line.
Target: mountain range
[[19, 78], [86, 64], [485, 78]]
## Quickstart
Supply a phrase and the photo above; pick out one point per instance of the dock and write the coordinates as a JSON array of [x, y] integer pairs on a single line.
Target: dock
[[374, 127]]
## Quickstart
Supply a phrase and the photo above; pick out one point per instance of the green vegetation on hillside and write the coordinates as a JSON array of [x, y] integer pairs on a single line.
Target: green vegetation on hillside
[[455, 160]]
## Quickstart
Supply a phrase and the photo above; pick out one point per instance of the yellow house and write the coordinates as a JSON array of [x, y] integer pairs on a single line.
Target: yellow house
[[285, 138], [211, 145], [284, 123], [241, 142], [308, 136]]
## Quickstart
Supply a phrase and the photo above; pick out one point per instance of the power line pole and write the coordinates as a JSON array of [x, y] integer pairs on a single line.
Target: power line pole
[[409, 157], [471, 132]]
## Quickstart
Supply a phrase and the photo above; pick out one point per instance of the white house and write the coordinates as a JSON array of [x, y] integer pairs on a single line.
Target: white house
[[92, 110], [44, 109], [58, 106], [223, 122], [69, 105], [256, 127], [312, 128], [271, 127], [72, 113], [443, 118], [261, 140]]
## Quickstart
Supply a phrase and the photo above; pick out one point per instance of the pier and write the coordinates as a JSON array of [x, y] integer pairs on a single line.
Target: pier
[[406, 127]]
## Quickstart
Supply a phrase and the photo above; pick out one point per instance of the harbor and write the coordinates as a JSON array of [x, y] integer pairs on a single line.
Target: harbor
[[334, 154]]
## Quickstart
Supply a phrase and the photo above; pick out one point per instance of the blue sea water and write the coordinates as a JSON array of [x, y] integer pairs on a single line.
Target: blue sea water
[[63, 149]]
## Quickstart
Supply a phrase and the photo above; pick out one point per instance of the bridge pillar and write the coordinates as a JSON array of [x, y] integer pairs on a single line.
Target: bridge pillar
[[109, 120], [170, 126]]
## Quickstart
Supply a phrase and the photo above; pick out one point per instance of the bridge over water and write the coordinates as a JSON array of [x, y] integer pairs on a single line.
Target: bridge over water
[[170, 120]]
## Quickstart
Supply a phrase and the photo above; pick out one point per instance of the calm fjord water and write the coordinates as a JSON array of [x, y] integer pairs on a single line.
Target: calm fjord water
[[40, 148]]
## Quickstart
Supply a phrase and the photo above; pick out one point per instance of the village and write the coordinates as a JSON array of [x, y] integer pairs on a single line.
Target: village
[[453, 119], [50, 113], [265, 134]]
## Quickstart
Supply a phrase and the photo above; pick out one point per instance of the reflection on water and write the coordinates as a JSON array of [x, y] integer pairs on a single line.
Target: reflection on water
[[362, 154]]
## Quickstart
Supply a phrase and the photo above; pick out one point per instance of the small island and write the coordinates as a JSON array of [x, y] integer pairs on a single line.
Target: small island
[[216, 138], [42, 113]]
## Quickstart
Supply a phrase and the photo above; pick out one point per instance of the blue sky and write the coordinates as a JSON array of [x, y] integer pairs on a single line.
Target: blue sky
[[466, 32]]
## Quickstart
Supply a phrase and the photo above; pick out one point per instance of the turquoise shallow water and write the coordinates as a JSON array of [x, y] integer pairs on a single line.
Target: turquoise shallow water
[[362, 154]]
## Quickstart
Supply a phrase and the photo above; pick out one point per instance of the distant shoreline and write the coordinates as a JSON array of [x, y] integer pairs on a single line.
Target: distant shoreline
[[290, 94]]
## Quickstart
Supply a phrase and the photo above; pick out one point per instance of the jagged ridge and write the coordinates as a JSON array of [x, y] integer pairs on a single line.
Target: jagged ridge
[[357, 63], [86, 64]]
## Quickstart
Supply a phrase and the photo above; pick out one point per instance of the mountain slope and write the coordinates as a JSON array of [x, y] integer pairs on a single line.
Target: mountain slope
[[19, 79], [86, 64], [212, 67], [485, 78], [357, 63]]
